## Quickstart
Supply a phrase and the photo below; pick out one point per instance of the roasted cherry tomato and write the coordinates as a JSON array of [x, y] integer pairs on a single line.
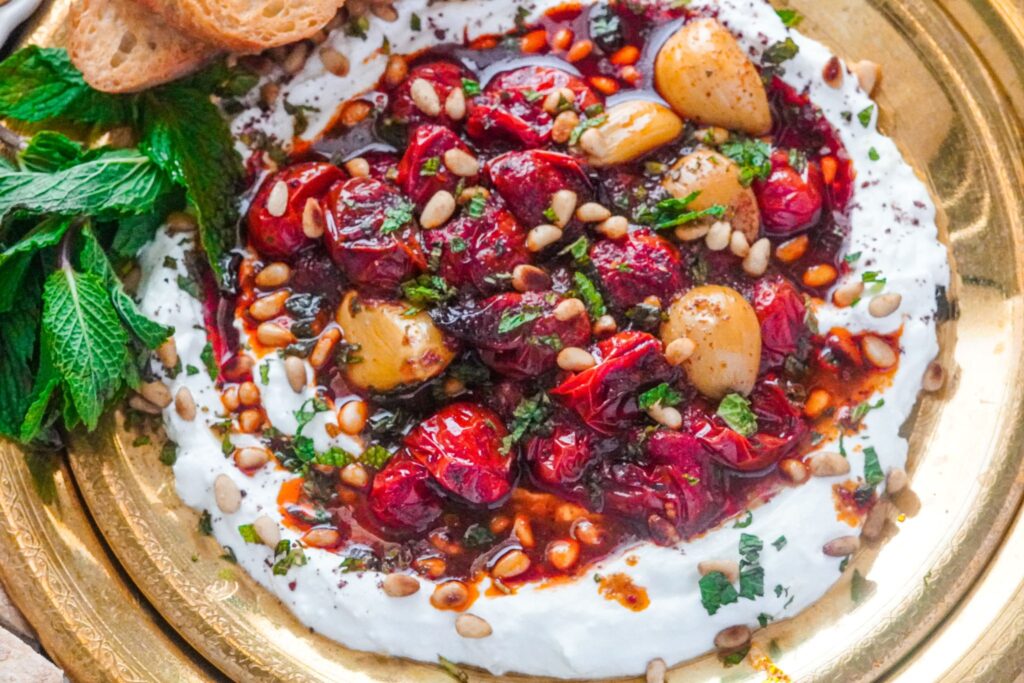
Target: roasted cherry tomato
[[637, 266], [422, 171], [528, 181], [276, 232], [461, 446], [559, 460], [791, 201], [401, 498], [442, 76], [781, 310]]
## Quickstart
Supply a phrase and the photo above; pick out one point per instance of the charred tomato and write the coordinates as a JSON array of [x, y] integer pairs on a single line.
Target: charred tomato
[[401, 498], [790, 200], [442, 76], [636, 266], [422, 171], [781, 310], [276, 231], [528, 180]]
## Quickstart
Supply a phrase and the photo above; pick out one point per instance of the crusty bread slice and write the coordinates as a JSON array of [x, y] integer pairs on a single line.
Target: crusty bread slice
[[248, 25], [119, 46]]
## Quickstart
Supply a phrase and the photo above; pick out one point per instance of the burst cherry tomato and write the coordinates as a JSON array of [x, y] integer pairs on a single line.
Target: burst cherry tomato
[[401, 499], [790, 201], [558, 461], [528, 180], [281, 236], [442, 76], [636, 266], [422, 171], [781, 310]]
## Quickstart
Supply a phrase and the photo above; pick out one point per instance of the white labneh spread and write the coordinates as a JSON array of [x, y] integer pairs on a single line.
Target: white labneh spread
[[570, 630]]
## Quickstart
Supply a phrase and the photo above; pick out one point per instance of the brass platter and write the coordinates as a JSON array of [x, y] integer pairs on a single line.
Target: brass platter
[[945, 598]]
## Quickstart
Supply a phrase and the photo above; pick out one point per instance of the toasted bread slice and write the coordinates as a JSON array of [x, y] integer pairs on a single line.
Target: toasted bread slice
[[120, 47], [248, 25]]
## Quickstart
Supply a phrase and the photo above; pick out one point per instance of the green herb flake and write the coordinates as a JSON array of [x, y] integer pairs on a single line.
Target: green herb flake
[[550, 215], [864, 115], [478, 536], [583, 126], [873, 154], [751, 572], [415, 23], [397, 217], [265, 374], [210, 361], [753, 156], [458, 245], [514, 319], [470, 87], [747, 520], [529, 416], [579, 250], [286, 556], [205, 523], [873, 475], [430, 167], [169, 454], [735, 411], [587, 292], [716, 591], [476, 206], [248, 533], [852, 257], [779, 543], [790, 17], [376, 456], [662, 395], [780, 52], [735, 658], [862, 409]]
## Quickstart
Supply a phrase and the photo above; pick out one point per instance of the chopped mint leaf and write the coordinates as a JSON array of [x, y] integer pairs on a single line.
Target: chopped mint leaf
[[287, 555], [873, 475], [735, 411], [747, 520], [396, 217], [206, 355], [873, 154], [470, 87], [514, 319], [415, 23], [476, 206], [583, 126], [753, 157], [662, 395], [790, 17], [751, 572], [431, 166], [587, 292], [780, 52], [248, 533], [779, 543], [852, 257], [530, 415], [376, 456], [205, 523], [862, 409], [864, 115], [716, 591], [265, 374]]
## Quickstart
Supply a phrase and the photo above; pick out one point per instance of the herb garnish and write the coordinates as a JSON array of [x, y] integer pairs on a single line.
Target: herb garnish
[[873, 475], [587, 292], [286, 556], [430, 167], [735, 411], [470, 87], [751, 572], [528, 417], [790, 17], [716, 591], [662, 395], [753, 157], [396, 217], [514, 319], [674, 211], [747, 520], [583, 126], [864, 115]]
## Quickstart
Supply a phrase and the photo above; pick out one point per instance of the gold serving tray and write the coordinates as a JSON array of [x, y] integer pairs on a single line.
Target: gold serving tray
[[945, 598]]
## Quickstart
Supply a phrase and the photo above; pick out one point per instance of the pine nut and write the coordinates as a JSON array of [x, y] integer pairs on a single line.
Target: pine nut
[[313, 219], [584, 531], [334, 61], [732, 638], [553, 102], [230, 399], [569, 309], [324, 347], [358, 167], [322, 537], [185, 404], [450, 595], [248, 394], [178, 222], [453, 386], [575, 359], [296, 59], [542, 236], [614, 227], [756, 260], [250, 420], [355, 475], [563, 204], [269, 306], [396, 70], [656, 671], [843, 546], [878, 352], [168, 354], [472, 626], [277, 200], [666, 416], [523, 531], [868, 74], [461, 163], [592, 143], [274, 335], [397, 585], [791, 250], [269, 93], [526, 278], [828, 464], [884, 304], [563, 554], [274, 275], [821, 275], [471, 193], [156, 393], [817, 403], [895, 480], [847, 293], [738, 244], [605, 325], [386, 12], [455, 104], [267, 530], [251, 458], [512, 563], [693, 232], [679, 350], [425, 97], [295, 370], [438, 210], [226, 494], [563, 126], [352, 416], [934, 377], [353, 113], [652, 301], [140, 404], [729, 568], [874, 523], [793, 470], [433, 567], [718, 236], [592, 212]]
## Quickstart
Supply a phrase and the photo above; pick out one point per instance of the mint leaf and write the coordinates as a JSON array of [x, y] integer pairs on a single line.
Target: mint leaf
[[753, 157], [873, 475], [751, 572], [735, 411], [17, 347], [248, 533], [716, 591], [662, 394], [514, 319], [376, 456], [49, 151], [790, 17], [587, 291]]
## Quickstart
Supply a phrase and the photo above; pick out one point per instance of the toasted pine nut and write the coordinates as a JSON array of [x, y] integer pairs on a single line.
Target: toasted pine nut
[[322, 537], [512, 563], [461, 163], [277, 200], [656, 670], [472, 626], [248, 394], [718, 236], [874, 523], [434, 567], [455, 104], [251, 458], [828, 464], [821, 275], [592, 212], [756, 260], [614, 227], [586, 532], [438, 210], [324, 346], [334, 61], [679, 350], [563, 204], [817, 403], [178, 222], [354, 112], [732, 638], [226, 494], [274, 335], [185, 404], [555, 99], [397, 585], [575, 359], [355, 475], [140, 404], [666, 416], [273, 275], [791, 250], [358, 167], [563, 554], [793, 470], [270, 306], [396, 70], [738, 244], [230, 399], [156, 393], [295, 370], [568, 309], [523, 530], [168, 354], [712, 135], [471, 193], [450, 595], [542, 236], [384, 11], [605, 325], [878, 352], [425, 97], [527, 278], [268, 530], [842, 546], [296, 59], [352, 416], [313, 219], [729, 568], [692, 232], [563, 126], [868, 74], [592, 143], [847, 293], [250, 420], [579, 50], [895, 480], [934, 377], [884, 304]]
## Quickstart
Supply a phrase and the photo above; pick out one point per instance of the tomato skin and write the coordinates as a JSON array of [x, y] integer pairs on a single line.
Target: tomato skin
[[282, 237], [781, 310], [636, 266], [790, 201], [527, 180], [461, 447], [429, 142], [443, 76], [558, 461], [401, 498]]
